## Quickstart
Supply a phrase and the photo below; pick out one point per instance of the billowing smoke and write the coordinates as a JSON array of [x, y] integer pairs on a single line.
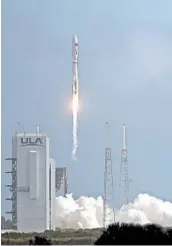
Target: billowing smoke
[[87, 212]]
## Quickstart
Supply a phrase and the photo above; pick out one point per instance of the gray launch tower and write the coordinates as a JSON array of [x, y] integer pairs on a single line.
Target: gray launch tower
[[13, 189], [124, 179], [108, 217]]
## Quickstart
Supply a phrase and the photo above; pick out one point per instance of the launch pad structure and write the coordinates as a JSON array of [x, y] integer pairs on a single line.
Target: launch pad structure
[[35, 182], [124, 178], [108, 179], [108, 184]]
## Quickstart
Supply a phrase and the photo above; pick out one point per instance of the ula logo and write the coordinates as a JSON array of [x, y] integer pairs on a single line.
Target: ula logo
[[29, 141]]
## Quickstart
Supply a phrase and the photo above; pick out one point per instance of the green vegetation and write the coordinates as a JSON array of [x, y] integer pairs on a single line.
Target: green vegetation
[[130, 234], [116, 234], [78, 237], [40, 241]]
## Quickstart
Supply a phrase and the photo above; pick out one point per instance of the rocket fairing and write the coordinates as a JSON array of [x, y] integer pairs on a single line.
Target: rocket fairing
[[75, 66]]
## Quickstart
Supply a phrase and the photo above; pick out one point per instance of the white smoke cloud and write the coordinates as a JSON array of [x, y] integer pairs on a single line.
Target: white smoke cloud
[[87, 212]]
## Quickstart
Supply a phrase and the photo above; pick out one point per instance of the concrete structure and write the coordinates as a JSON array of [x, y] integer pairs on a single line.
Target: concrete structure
[[33, 192], [35, 181]]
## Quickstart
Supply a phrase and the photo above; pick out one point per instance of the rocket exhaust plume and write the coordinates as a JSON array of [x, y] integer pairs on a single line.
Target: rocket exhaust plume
[[75, 126], [87, 212], [75, 97]]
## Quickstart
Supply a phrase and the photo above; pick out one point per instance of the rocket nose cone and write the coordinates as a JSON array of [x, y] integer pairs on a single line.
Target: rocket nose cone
[[75, 39]]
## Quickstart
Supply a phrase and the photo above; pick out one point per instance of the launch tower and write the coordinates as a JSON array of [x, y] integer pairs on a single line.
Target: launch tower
[[108, 217], [124, 179]]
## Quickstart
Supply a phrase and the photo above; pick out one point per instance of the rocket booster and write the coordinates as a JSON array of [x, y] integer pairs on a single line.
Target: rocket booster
[[75, 66]]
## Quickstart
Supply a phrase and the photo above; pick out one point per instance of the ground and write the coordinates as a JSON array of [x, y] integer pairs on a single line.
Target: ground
[[81, 237]]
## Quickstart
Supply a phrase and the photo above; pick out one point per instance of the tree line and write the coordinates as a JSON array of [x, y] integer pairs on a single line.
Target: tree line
[[115, 234]]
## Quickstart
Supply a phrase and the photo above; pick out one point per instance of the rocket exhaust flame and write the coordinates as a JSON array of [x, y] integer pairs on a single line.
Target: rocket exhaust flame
[[75, 96]]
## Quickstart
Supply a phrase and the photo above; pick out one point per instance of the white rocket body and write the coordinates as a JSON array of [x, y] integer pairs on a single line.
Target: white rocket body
[[75, 88], [75, 96]]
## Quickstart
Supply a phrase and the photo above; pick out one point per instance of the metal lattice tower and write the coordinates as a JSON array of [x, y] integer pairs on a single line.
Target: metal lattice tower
[[13, 189], [124, 180], [108, 216], [61, 179]]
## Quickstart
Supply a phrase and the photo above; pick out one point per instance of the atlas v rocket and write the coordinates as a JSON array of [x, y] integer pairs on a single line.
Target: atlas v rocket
[[75, 66]]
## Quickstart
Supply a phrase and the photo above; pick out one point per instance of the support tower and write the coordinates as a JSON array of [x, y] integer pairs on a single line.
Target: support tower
[[13, 190], [124, 180], [61, 179], [108, 217]]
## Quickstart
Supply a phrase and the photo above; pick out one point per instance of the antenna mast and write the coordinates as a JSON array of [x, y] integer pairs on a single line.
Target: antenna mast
[[124, 180], [108, 217]]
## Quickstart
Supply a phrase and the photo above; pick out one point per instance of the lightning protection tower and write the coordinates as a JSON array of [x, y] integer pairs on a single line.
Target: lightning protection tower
[[124, 180], [108, 201]]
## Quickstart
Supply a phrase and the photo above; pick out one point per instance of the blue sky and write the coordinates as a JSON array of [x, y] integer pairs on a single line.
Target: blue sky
[[125, 74]]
